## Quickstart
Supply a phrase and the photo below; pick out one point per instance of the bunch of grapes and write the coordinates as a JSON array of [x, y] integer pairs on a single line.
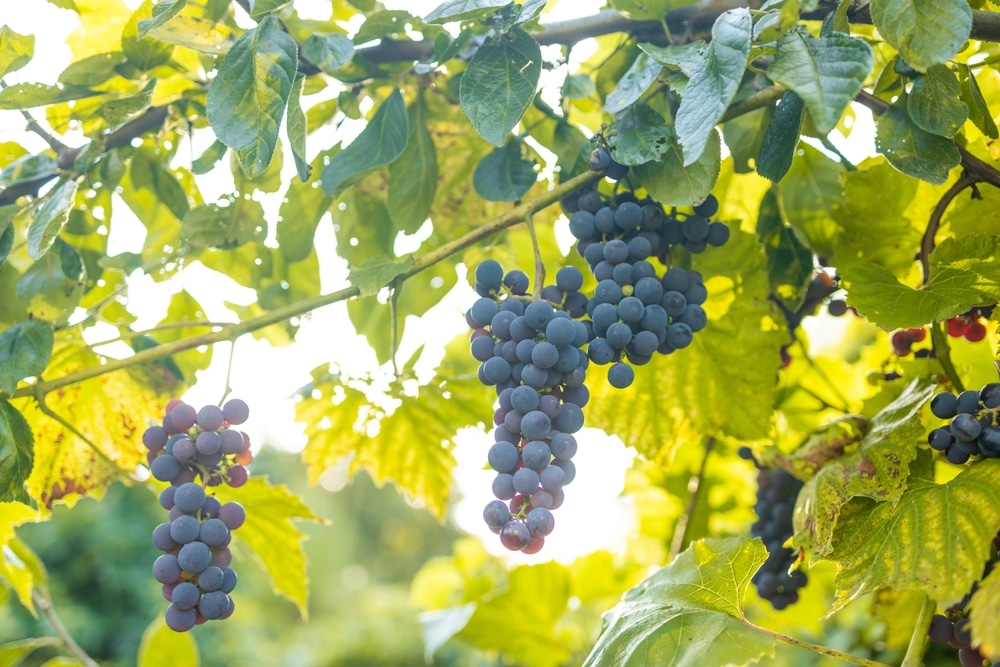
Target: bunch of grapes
[[968, 326], [904, 339], [776, 494], [973, 429], [531, 351], [637, 312], [194, 450]]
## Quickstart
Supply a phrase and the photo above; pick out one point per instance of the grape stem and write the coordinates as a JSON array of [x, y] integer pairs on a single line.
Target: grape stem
[[927, 242], [231, 332], [229, 373], [816, 648], [942, 352], [44, 604], [539, 264], [918, 641], [397, 287], [684, 523]]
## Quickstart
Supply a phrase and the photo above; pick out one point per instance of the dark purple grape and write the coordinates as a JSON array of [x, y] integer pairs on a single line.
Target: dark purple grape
[[235, 411], [944, 404], [210, 418]]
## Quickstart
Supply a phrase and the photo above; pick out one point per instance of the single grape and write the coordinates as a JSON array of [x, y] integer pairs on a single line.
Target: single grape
[[189, 497], [182, 417], [233, 515], [503, 457], [194, 557], [213, 605], [229, 579], [185, 595], [621, 375], [965, 427], [180, 620], [235, 411], [166, 569], [944, 404], [214, 533], [211, 578], [708, 207], [496, 514], [489, 273], [515, 535], [210, 418], [967, 402], [540, 522], [154, 438], [165, 467], [231, 442]]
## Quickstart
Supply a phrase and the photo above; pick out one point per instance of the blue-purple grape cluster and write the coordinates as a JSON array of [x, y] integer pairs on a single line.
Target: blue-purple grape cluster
[[973, 428], [637, 312], [531, 351], [777, 491], [195, 450]]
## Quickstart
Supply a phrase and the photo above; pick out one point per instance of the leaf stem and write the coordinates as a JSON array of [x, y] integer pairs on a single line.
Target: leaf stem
[[229, 373], [816, 648], [44, 603], [682, 529], [942, 352], [536, 293], [918, 641], [397, 287], [233, 331]]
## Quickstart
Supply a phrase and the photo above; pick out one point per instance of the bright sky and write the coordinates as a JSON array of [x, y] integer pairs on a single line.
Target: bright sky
[[266, 377]]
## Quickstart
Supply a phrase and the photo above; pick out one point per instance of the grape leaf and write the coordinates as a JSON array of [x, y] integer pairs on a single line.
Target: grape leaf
[[984, 610], [248, 96], [17, 452], [275, 541], [20, 574], [49, 218], [790, 262], [6, 239], [373, 274], [910, 149], [499, 83], [12, 653], [742, 332], [163, 11], [214, 226], [965, 272], [301, 209], [675, 182], [877, 469], [16, 50], [777, 149], [25, 349], [936, 538], [153, 175], [383, 140], [935, 104], [633, 84], [92, 71], [925, 32], [195, 33], [413, 176], [162, 647], [688, 613], [826, 72], [504, 175], [979, 110], [329, 52], [687, 57], [639, 135], [463, 10], [714, 84], [809, 191]]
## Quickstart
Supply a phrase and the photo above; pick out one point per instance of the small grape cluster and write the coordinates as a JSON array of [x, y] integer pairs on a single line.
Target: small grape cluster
[[531, 352], [968, 326], [952, 627], [194, 450], [635, 311], [974, 428], [776, 493], [904, 340]]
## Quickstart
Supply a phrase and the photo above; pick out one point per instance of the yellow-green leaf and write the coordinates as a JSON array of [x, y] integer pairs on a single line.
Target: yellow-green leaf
[[275, 541], [18, 573], [984, 610], [162, 647], [15, 50]]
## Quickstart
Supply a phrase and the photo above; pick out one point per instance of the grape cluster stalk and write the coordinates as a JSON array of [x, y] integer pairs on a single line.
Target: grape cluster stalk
[[195, 450]]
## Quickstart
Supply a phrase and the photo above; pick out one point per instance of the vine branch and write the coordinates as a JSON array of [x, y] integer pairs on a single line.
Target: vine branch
[[927, 242], [231, 332], [694, 489], [45, 605]]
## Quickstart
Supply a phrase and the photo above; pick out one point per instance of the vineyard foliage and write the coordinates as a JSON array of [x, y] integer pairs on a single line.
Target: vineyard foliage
[[430, 142]]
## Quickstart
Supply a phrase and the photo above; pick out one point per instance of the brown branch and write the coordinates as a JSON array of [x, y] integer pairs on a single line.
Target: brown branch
[[231, 332], [927, 242]]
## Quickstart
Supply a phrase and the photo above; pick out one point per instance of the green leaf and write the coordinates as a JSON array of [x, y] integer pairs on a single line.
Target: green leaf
[[688, 613], [12, 653], [153, 176], [119, 112], [714, 84], [145, 52], [6, 241], [27, 95], [329, 51], [673, 182], [373, 274], [28, 168], [45, 288], [413, 176], [744, 136], [979, 110], [25, 349], [297, 130], [247, 98], [530, 10], [383, 140], [504, 175], [790, 262], [827, 73], [163, 11], [777, 150], [578, 86], [636, 81], [17, 445], [936, 538], [261, 8], [808, 193], [925, 32], [207, 160], [463, 10], [16, 50], [196, 33], [743, 332], [686, 58], [935, 103], [214, 226], [162, 647], [275, 541], [649, 9], [499, 84], [640, 135], [878, 469], [301, 209], [49, 218], [93, 71], [776, 24], [984, 609], [964, 272]]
